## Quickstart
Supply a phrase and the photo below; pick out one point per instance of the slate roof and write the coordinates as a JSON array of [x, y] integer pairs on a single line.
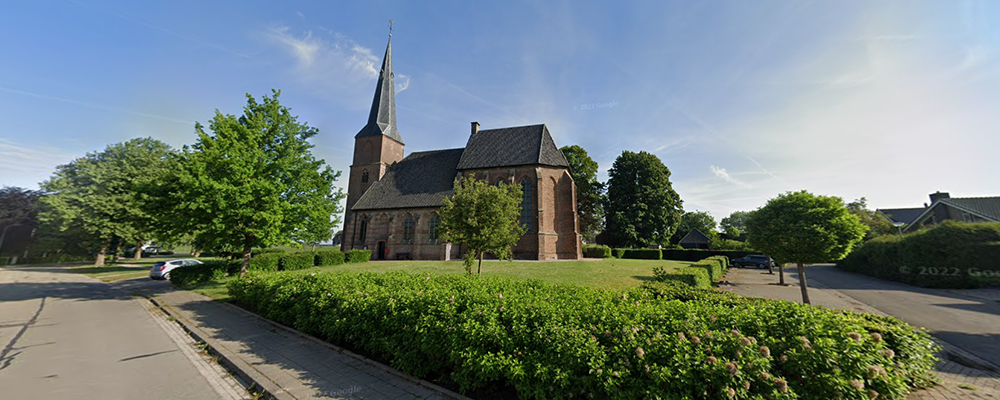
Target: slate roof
[[695, 236], [521, 145], [420, 180], [988, 207], [382, 118], [904, 215]]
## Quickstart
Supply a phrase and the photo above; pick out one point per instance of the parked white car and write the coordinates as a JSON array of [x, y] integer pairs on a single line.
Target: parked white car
[[161, 270]]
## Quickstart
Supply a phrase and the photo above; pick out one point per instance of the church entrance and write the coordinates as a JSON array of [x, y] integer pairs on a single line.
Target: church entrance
[[381, 251]]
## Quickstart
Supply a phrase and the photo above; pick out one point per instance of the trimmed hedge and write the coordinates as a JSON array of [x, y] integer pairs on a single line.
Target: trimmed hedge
[[596, 251], [329, 257], [642, 254], [293, 261], [948, 255], [357, 256], [694, 276], [494, 334], [716, 267], [618, 253], [265, 262], [210, 270], [696, 255], [270, 250]]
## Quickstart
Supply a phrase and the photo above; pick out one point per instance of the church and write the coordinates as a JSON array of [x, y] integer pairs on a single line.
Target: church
[[392, 201]]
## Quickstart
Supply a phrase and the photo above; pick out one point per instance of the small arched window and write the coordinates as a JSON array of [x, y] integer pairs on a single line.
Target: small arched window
[[364, 176], [408, 229], [526, 203], [435, 221], [363, 232]]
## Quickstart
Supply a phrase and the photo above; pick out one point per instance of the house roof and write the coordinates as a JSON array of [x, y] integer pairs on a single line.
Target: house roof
[[382, 118], [987, 207], [521, 145], [421, 179], [695, 236], [904, 215]]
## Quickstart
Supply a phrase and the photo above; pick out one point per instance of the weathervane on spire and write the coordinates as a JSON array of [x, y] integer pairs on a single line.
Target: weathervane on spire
[[390, 28]]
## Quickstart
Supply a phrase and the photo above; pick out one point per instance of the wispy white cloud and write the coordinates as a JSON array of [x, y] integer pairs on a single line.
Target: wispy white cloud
[[26, 166], [766, 171], [96, 105], [724, 175], [331, 62]]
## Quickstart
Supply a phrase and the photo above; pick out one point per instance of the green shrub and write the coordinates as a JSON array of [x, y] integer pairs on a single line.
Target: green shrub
[[329, 257], [269, 250], [642, 254], [715, 266], [948, 255], [211, 270], [293, 261], [264, 262], [596, 251], [357, 256], [697, 254], [545, 341], [697, 277], [618, 253]]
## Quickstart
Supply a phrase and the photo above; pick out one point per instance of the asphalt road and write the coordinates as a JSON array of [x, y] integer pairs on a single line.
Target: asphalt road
[[969, 323], [67, 336]]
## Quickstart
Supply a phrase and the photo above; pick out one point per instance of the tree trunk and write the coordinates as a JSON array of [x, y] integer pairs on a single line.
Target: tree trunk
[[314, 247], [770, 267], [479, 271], [138, 250], [246, 258], [102, 253], [802, 284], [781, 274], [195, 253]]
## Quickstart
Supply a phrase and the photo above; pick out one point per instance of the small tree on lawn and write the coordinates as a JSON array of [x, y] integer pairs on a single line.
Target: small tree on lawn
[[485, 218], [802, 228]]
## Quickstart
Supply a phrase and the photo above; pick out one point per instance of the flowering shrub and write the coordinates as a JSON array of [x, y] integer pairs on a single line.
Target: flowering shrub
[[557, 341]]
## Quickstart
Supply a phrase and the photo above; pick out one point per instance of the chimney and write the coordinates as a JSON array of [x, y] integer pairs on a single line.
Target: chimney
[[938, 196], [475, 128]]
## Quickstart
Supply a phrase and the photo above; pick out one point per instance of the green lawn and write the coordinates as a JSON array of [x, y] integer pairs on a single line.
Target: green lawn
[[609, 273]]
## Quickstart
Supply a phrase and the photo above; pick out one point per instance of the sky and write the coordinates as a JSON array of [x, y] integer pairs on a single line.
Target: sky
[[741, 100]]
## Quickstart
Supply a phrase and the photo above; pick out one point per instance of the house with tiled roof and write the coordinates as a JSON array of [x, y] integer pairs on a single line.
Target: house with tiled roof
[[392, 200], [695, 239], [944, 207]]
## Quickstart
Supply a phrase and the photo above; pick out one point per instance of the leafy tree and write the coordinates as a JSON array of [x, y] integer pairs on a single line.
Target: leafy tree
[[734, 226], [102, 195], [18, 212], [589, 191], [877, 224], [253, 181], [483, 217], [700, 220], [801, 228], [641, 207]]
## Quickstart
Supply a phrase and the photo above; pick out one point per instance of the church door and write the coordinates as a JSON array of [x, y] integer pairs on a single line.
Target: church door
[[381, 251]]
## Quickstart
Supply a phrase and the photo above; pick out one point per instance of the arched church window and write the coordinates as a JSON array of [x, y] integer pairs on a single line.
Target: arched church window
[[363, 232], [435, 221], [364, 176], [408, 228], [526, 203]]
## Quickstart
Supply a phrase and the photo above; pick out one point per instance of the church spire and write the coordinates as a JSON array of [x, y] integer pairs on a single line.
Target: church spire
[[382, 119]]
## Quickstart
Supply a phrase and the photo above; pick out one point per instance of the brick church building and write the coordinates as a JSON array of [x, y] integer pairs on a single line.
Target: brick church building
[[392, 201]]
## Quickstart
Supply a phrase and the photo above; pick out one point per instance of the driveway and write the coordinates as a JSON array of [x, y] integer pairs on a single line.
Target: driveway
[[67, 336], [967, 322]]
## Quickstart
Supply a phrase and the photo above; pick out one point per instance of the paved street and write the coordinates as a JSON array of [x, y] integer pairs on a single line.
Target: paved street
[[68, 336]]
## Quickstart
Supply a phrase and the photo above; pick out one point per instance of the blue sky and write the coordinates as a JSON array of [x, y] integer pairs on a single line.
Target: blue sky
[[891, 100]]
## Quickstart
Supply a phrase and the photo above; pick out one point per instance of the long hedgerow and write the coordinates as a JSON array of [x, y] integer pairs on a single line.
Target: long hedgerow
[[552, 341]]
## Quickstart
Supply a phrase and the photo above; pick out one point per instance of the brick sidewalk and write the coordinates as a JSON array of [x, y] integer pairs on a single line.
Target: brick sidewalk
[[958, 382], [286, 364]]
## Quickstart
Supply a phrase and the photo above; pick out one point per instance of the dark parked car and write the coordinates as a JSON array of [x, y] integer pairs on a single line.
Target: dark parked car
[[756, 260]]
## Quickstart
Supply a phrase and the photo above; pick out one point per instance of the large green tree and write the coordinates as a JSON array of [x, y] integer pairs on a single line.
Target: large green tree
[[877, 224], [700, 220], [18, 212], [641, 207], [253, 181], [803, 228], [483, 217], [589, 191], [734, 226], [104, 194]]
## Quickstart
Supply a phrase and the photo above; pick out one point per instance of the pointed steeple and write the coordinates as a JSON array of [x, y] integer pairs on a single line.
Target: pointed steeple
[[382, 119]]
